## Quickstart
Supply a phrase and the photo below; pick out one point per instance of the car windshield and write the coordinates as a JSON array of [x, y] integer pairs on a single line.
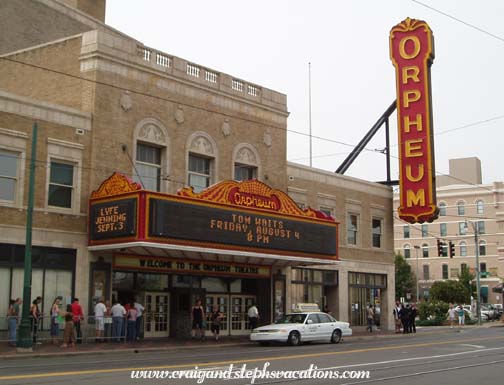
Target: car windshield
[[292, 319]]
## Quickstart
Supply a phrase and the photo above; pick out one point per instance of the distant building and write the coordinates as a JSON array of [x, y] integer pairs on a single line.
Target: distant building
[[463, 201]]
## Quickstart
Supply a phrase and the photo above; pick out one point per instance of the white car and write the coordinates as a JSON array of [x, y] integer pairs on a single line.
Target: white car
[[300, 327]]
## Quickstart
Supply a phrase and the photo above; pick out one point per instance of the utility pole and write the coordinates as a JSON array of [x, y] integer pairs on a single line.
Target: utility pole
[[478, 288], [309, 110], [24, 341], [417, 291]]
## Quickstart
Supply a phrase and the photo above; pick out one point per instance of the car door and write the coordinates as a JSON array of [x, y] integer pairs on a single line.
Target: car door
[[326, 326], [312, 328]]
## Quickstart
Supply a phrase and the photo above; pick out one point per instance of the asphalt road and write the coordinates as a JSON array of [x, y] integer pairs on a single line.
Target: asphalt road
[[470, 356]]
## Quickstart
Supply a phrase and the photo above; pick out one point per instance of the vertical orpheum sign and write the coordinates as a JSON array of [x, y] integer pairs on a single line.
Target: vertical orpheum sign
[[412, 52]]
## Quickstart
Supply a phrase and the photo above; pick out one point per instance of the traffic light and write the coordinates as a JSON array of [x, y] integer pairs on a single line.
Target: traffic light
[[439, 248], [452, 249]]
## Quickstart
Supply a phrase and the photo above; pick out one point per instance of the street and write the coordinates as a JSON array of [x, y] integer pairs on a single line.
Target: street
[[468, 356]]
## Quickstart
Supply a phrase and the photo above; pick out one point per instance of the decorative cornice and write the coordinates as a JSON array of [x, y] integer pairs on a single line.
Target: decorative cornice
[[115, 185]]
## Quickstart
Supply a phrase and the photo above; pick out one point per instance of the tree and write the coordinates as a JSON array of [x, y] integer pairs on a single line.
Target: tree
[[448, 291], [405, 281], [467, 279]]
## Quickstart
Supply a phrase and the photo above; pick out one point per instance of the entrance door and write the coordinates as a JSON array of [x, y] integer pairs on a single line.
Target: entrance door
[[238, 313], [222, 301], [157, 314]]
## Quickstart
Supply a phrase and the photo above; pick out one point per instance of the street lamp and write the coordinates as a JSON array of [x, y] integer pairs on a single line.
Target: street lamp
[[417, 291], [478, 295]]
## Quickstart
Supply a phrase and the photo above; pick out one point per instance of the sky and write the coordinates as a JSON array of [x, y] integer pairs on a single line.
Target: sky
[[271, 42]]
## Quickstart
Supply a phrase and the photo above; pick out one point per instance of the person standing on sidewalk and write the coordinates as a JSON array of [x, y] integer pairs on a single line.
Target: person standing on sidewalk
[[78, 316], [451, 315], [461, 316], [253, 316], [68, 332], [118, 312], [197, 316], [139, 320], [216, 322], [131, 316], [35, 318], [412, 317], [397, 317], [54, 320], [12, 319], [99, 313], [370, 317]]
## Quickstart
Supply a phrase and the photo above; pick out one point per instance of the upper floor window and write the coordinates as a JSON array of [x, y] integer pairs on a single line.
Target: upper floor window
[[481, 227], [425, 230], [442, 209], [243, 172], [352, 229], [462, 228], [442, 229], [406, 231], [246, 162], [444, 249], [482, 248], [61, 185], [425, 250], [407, 251], [199, 172], [461, 208], [426, 272], [8, 175], [463, 248], [480, 207], [444, 271], [148, 166], [483, 267], [463, 266], [377, 232]]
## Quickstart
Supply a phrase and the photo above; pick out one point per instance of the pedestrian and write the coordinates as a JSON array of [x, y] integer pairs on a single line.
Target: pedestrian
[[107, 320], [78, 316], [412, 316], [99, 314], [253, 316], [54, 320], [397, 317], [131, 316], [118, 312], [327, 310], [197, 316], [12, 320], [461, 316], [370, 317], [216, 319], [68, 332], [139, 321], [404, 314], [35, 315], [452, 312]]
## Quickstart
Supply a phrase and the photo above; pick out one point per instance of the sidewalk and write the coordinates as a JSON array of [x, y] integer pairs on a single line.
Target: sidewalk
[[173, 344]]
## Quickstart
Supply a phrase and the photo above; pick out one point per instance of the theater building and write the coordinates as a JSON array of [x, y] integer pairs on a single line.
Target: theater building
[[162, 180]]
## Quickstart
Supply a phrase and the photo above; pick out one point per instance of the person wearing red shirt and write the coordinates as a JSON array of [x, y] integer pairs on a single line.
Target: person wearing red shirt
[[78, 316]]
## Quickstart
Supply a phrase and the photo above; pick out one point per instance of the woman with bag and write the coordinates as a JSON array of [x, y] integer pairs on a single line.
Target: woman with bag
[[131, 316], [68, 333], [54, 320]]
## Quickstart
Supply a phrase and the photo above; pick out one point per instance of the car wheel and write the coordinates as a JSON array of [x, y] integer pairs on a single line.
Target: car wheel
[[336, 336], [294, 338]]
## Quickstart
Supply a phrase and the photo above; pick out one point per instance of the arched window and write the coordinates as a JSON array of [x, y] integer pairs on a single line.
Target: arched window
[[482, 247], [463, 248], [407, 251], [442, 209], [201, 161], [150, 154], [480, 207], [461, 208], [246, 162], [425, 250]]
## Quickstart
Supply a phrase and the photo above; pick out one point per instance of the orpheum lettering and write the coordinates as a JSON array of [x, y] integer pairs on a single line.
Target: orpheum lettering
[[241, 198], [412, 53]]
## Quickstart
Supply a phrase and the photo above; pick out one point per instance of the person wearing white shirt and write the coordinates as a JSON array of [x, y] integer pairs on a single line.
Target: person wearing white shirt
[[99, 312], [118, 312], [139, 321], [253, 315]]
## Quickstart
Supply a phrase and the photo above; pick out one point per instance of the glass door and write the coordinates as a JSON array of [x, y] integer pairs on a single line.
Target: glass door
[[157, 314], [238, 314], [222, 301]]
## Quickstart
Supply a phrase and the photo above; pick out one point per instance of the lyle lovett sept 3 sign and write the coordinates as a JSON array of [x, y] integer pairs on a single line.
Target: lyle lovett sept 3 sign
[[412, 53]]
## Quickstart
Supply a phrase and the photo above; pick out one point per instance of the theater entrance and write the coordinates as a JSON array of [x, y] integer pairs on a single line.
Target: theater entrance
[[157, 314], [234, 309]]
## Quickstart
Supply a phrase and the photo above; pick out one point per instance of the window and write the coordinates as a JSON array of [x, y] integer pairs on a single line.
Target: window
[[480, 207], [463, 266], [61, 185], [407, 251], [148, 167], [425, 230], [406, 232], [442, 229], [481, 227], [377, 232], [483, 267], [244, 172], [482, 248], [8, 175], [426, 272], [352, 229], [444, 249], [425, 251], [463, 249], [444, 271], [199, 172], [461, 208], [462, 228], [442, 209]]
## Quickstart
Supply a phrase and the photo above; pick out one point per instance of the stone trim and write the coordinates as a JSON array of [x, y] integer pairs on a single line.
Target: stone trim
[[49, 112]]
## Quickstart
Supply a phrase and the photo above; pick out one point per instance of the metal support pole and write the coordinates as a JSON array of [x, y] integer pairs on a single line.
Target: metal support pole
[[24, 340], [387, 148], [309, 111], [417, 291], [478, 286]]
